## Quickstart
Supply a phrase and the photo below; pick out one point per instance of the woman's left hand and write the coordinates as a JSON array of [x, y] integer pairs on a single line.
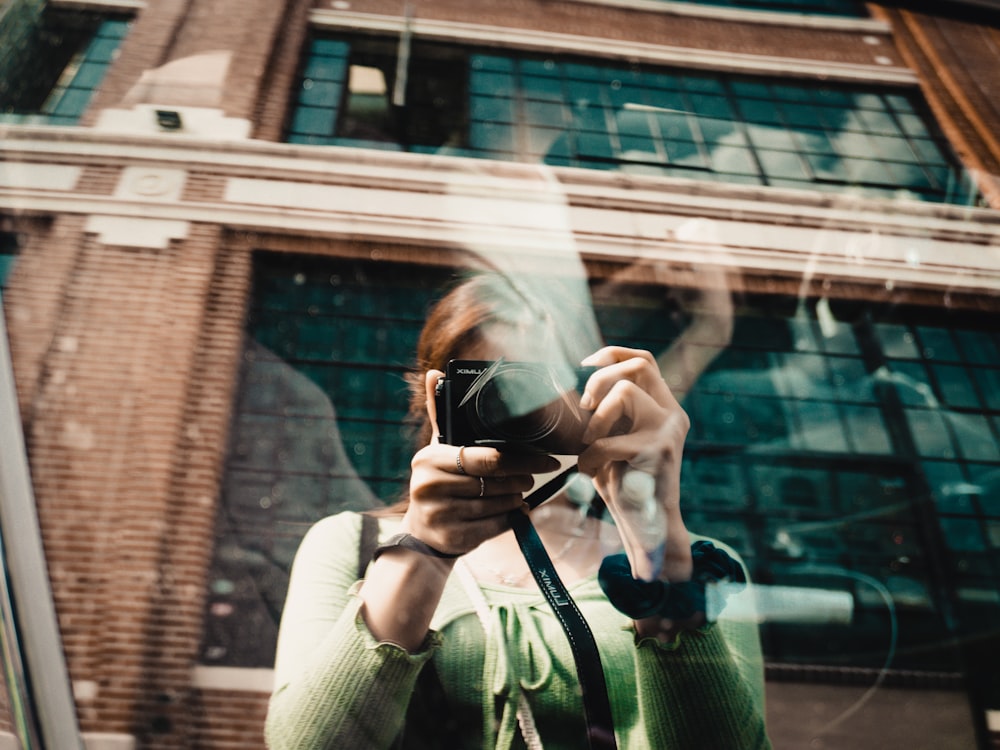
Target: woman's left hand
[[635, 441]]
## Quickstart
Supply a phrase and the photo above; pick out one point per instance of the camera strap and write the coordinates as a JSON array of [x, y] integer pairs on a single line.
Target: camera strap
[[594, 689]]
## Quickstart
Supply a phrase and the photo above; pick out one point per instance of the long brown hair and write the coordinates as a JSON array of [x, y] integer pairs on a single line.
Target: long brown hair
[[494, 305]]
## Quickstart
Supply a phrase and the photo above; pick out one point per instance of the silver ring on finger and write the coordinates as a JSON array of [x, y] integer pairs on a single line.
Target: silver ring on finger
[[458, 461], [482, 486]]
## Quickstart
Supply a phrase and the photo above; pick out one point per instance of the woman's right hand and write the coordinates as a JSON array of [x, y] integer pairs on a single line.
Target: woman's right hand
[[455, 512], [461, 496]]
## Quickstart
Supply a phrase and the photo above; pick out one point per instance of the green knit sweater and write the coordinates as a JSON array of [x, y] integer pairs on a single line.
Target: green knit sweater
[[336, 687]]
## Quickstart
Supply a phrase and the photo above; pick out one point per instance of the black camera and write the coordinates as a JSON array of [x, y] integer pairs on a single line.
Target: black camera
[[512, 405]]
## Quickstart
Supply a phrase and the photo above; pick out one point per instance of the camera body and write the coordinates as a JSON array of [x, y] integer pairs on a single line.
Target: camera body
[[525, 406]]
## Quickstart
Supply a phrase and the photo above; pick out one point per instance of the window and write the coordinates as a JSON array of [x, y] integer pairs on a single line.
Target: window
[[872, 141], [948, 387], [818, 443], [53, 68], [842, 449], [316, 431], [348, 97]]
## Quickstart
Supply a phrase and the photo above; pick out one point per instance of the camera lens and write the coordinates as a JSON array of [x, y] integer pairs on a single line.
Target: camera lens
[[519, 404]]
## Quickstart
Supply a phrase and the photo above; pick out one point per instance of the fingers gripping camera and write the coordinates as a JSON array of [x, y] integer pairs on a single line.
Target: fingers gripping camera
[[512, 405]]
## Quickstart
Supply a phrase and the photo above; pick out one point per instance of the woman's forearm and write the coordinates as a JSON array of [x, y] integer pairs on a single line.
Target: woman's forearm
[[401, 591]]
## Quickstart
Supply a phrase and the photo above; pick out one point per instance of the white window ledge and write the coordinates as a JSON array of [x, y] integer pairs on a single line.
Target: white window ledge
[[242, 679]]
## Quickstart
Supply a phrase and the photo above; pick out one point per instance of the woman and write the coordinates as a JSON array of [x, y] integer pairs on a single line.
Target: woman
[[447, 641]]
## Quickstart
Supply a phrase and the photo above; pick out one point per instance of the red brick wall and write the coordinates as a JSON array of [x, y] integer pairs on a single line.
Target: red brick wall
[[957, 62], [169, 30], [127, 360], [45, 263], [229, 720], [147, 46], [279, 77], [165, 717], [647, 27]]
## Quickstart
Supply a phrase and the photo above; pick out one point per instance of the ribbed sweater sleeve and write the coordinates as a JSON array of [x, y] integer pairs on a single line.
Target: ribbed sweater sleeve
[[697, 684], [335, 686]]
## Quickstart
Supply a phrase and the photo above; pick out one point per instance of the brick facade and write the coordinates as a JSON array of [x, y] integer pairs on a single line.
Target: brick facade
[[954, 58], [120, 399]]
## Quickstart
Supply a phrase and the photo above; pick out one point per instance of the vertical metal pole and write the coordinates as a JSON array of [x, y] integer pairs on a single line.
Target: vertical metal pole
[[34, 662], [403, 58]]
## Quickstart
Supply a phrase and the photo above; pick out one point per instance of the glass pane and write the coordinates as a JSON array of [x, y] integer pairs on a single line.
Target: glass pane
[[224, 357], [897, 341], [822, 428], [956, 386], [930, 433], [979, 347], [976, 441], [938, 344], [866, 430]]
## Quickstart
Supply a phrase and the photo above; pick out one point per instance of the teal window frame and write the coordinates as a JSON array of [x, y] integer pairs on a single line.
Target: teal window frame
[[868, 140]]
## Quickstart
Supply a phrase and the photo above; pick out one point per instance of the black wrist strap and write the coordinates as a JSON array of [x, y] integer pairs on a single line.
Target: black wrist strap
[[408, 541], [594, 689]]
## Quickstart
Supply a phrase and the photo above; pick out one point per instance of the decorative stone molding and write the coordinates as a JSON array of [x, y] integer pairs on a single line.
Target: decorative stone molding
[[151, 184], [32, 176], [523, 210], [131, 231]]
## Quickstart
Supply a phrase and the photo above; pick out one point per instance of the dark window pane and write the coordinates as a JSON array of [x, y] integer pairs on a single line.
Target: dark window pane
[[897, 341], [930, 433], [314, 121], [956, 386]]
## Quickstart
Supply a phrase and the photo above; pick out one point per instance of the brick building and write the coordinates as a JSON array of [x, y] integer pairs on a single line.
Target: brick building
[[221, 223]]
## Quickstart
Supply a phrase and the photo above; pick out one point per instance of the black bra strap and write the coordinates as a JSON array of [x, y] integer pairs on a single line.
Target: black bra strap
[[367, 542]]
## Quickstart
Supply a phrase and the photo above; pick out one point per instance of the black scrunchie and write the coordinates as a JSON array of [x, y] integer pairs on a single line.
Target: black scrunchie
[[674, 601]]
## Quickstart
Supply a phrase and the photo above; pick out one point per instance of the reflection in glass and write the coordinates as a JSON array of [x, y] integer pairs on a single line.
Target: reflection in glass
[[792, 456]]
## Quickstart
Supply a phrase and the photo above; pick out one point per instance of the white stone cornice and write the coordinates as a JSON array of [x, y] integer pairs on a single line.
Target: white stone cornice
[[30, 146], [500, 207], [655, 54]]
